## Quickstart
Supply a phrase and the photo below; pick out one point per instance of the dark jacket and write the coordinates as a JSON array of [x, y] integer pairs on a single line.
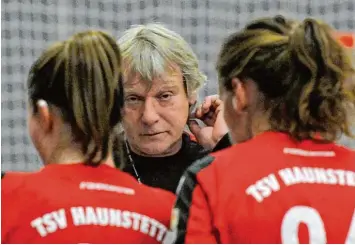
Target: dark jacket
[[165, 172]]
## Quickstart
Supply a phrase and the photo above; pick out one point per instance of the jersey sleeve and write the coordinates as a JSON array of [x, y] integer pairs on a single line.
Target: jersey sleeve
[[191, 219]]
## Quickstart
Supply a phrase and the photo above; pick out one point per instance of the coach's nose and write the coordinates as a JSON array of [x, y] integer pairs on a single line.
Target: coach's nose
[[150, 115]]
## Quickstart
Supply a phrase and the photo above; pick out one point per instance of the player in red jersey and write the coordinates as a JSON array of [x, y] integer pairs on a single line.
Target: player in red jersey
[[75, 101], [286, 181]]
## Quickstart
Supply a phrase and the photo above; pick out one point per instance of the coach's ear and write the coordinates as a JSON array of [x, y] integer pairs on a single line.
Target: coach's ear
[[192, 103]]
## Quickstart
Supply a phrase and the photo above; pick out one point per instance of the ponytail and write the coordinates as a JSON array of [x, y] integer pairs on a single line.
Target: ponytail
[[300, 69], [321, 67], [82, 77]]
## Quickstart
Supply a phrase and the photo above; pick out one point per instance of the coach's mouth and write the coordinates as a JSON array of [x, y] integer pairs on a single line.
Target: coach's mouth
[[152, 134]]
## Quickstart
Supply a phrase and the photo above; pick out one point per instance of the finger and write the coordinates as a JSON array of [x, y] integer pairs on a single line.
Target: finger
[[201, 111], [213, 110], [211, 102], [198, 112], [206, 105], [208, 115], [210, 121], [210, 118], [217, 102], [194, 127], [219, 111], [212, 98]]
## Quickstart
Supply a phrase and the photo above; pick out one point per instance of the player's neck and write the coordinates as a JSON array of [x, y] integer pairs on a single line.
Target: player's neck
[[72, 156], [260, 125]]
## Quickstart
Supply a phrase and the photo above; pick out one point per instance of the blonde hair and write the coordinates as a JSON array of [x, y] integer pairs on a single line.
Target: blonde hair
[[82, 77], [149, 50], [301, 70]]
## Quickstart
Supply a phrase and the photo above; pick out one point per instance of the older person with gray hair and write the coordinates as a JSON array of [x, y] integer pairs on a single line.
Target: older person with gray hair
[[162, 78]]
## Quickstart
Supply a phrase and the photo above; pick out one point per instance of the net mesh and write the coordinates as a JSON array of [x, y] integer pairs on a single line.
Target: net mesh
[[28, 26]]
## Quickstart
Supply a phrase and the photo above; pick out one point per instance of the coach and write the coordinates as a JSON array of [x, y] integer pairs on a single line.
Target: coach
[[162, 78]]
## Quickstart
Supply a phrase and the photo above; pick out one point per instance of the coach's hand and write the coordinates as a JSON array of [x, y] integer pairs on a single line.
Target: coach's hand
[[211, 114]]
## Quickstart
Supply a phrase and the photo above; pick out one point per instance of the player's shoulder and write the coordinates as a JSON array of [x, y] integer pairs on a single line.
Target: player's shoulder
[[200, 167], [344, 151], [210, 162], [220, 164], [12, 181], [14, 176], [344, 155], [200, 172], [243, 151]]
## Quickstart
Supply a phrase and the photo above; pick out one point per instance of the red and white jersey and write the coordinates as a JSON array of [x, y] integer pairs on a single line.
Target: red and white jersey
[[270, 189], [74, 203]]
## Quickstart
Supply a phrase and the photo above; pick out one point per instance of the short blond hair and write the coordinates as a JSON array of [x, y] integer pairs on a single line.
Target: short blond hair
[[150, 49]]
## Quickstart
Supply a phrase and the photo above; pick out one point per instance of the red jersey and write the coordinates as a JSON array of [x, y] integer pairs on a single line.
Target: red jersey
[[75, 203], [270, 189]]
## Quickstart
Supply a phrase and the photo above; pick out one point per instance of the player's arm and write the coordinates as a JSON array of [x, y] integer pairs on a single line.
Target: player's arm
[[191, 220]]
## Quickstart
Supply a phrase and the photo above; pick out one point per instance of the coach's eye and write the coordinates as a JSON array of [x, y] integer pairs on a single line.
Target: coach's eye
[[165, 96], [132, 99]]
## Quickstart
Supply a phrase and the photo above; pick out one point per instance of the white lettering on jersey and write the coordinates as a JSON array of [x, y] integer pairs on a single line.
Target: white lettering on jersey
[[264, 187], [99, 216], [50, 222], [85, 185], [308, 175], [306, 153]]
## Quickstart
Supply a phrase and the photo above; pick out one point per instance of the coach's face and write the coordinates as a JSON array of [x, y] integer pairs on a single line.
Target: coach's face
[[155, 113]]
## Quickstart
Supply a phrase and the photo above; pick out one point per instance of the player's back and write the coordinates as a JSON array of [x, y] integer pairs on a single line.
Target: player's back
[[81, 204], [274, 190]]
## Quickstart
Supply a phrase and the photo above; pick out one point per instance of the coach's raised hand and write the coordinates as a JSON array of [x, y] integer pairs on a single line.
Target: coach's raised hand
[[210, 112]]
